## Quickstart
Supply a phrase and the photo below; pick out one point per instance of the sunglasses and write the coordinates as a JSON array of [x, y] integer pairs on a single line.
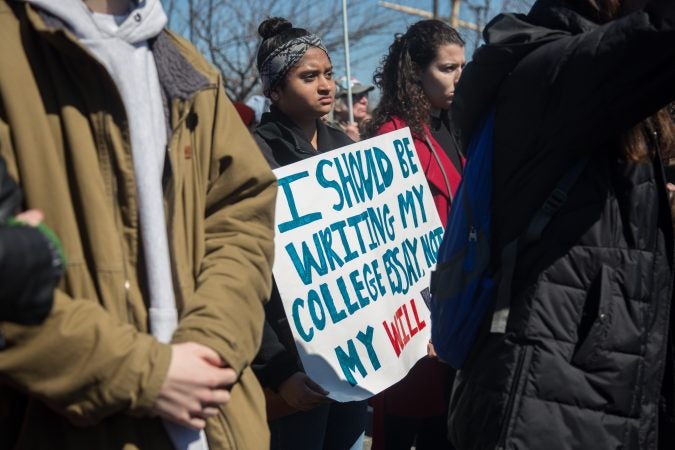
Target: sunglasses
[[357, 97]]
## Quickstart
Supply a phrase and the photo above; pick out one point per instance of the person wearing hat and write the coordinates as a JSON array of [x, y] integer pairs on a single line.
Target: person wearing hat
[[359, 107]]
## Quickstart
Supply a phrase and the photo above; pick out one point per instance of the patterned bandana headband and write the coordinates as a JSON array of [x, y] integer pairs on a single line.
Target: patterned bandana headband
[[280, 61]]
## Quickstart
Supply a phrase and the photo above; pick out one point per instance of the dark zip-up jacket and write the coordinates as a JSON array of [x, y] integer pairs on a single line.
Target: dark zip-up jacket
[[282, 142], [582, 362]]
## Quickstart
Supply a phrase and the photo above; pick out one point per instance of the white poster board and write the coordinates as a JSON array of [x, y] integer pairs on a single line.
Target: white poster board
[[357, 234]]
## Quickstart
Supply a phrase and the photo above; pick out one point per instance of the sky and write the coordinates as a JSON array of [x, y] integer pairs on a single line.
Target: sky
[[366, 56], [367, 53]]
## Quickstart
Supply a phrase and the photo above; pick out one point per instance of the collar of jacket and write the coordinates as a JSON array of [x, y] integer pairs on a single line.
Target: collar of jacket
[[178, 78], [400, 123], [442, 182], [510, 38], [560, 15], [280, 131]]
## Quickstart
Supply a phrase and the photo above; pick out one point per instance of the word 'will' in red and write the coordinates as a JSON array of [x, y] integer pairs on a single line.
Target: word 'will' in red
[[400, 333]]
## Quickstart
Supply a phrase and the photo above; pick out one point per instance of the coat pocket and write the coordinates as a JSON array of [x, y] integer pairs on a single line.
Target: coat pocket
[[596, 319]]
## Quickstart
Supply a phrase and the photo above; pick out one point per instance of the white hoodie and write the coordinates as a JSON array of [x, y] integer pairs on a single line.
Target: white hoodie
[[120, 43]]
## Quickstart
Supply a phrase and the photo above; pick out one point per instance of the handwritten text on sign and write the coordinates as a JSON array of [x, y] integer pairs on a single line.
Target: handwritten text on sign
[[357, 234]]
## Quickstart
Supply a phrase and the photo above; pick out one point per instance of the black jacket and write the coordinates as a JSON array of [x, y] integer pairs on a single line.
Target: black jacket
[[28, 269], [282, 142], [582, 363]]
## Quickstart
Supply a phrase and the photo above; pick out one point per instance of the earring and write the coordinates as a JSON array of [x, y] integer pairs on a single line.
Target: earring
[[274, 96]]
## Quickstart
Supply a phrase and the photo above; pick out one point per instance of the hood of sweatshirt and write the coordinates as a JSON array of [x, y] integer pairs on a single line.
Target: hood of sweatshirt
[[509, 38], [145, 21]]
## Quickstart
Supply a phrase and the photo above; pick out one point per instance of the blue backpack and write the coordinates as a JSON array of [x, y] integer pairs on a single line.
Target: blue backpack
[[464, 287]]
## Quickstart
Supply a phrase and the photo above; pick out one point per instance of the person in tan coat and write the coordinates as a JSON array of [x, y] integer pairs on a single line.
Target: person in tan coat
[[121, 133]]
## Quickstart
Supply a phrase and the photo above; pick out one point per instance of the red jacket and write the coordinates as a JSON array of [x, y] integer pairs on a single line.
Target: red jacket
[[424, 391], [432, 170]]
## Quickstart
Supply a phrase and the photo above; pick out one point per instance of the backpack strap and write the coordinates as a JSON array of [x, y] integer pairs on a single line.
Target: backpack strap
[[440, 165], [533, 233]]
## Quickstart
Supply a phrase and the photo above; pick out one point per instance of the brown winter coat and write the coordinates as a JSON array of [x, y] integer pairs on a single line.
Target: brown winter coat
[[92, 370]]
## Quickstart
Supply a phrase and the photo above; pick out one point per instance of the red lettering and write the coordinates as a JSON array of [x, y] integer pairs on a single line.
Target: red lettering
[[420, 324], [399, 323], [394, 337], [413, 331], [399, 335]]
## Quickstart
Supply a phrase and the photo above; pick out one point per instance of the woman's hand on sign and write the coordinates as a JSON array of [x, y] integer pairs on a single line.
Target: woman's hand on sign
[[431, 351], [671, 191], [301, 392]]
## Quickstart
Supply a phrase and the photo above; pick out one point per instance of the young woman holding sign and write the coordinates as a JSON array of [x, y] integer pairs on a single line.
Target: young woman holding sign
[[297, 76], [417, 79]]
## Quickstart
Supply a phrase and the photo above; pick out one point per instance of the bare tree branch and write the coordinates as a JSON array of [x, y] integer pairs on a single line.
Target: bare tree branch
[[226, 31]]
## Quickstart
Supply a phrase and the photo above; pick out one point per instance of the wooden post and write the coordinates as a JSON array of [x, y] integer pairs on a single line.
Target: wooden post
[[454, 15], [453, 20]]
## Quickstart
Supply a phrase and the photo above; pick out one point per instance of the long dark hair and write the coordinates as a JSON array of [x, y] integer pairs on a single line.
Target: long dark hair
[[658, 131], [401, 92]]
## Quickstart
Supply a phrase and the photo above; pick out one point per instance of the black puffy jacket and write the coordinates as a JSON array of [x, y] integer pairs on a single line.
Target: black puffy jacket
[[583, 361]]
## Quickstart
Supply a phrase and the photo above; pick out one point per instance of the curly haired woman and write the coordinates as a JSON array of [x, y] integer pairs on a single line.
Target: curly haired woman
[[417, 79]]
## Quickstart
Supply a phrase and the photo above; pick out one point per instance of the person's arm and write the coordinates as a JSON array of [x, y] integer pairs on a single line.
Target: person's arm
[[277, 368], [225, 312], [83, 363], [612, 77], [196, 382], [274, 363]]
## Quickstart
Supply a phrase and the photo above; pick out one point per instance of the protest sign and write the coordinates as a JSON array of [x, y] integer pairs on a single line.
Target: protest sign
[[356, 238]]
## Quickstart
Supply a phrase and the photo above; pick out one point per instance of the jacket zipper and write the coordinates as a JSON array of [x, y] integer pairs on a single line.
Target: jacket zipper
[[660, 176], [127, 283], [167, 187], [184, 112], [120, 229], [523, 355]]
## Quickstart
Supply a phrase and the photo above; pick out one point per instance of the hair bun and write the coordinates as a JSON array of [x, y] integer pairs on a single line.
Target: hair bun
[[273, 26]]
